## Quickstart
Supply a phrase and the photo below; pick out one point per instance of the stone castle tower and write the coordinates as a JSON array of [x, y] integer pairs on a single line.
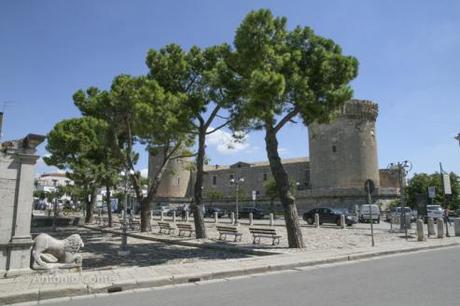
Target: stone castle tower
[[343, 153], [176, 178]]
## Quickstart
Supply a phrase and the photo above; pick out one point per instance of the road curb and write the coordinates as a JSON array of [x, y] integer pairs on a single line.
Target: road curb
[[155, 282]]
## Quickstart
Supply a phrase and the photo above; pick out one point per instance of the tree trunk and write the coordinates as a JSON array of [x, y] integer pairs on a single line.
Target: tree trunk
[[90, 206], [146, 214], [109, 204], [294, 232], [197, 206], [146, 203]]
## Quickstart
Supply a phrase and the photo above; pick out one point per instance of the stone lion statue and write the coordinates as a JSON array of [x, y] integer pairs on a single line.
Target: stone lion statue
[[49, 252]]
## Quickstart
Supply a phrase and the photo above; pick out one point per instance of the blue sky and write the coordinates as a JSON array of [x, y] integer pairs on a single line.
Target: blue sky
[[408, 53]]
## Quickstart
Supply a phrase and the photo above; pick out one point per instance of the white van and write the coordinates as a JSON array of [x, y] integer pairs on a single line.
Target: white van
[[369, 212]]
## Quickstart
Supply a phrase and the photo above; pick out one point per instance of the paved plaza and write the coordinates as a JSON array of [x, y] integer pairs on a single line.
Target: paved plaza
[[157, 260]]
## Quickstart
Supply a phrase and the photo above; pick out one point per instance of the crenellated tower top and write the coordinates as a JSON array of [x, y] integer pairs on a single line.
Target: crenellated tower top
[[360, 109]]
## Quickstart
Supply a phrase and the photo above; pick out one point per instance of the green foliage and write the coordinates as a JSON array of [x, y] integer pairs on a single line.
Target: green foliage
[[419, 184], [271, 190], [214, 194], [76, 145], [282, 71]]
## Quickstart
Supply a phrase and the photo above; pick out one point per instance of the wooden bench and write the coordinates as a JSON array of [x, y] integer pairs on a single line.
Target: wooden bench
[[183, 227], [229, 230], [264, 232], [165, 226]]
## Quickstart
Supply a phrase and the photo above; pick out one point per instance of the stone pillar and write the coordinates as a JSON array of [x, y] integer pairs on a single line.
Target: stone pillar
[[342, 221], [420, 233], [431, 231], [457, 227], [251, 219], [17, 167], [186, 217], [272, 221], [174, 217], [216, 217], [162, 216], [232, 218], [440, 223], [316, 220]]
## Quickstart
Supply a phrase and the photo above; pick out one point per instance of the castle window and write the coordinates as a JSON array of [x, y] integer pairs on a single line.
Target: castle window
[[334, 149], [214, 180], [265, 176]]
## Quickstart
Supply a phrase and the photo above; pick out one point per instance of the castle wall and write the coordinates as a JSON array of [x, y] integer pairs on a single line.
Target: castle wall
[[255, 176]]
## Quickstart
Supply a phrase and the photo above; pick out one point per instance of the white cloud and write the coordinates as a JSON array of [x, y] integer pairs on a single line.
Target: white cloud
[[225, 143]]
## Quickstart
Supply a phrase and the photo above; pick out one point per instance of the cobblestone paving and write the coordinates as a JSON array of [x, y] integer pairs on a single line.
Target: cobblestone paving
[[327, 237], [100, 251]]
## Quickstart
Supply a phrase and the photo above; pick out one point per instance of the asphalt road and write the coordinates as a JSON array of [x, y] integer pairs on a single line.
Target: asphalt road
[[423, 278]]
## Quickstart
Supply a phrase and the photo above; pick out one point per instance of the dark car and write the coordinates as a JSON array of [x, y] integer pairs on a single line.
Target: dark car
[[211, 210], [329, 215], [257, 213]]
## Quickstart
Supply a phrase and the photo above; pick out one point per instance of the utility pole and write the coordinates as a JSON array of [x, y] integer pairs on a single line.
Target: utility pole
[[444, 199]]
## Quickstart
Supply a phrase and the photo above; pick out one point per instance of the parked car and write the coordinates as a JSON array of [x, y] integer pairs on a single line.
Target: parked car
[[368, 212], [211, 210], [396, 212], [434, 211], [329, 215], [257, 213], [157, 211]]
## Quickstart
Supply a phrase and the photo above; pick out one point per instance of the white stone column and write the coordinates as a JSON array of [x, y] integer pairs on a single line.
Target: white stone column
[[457, 227], [342, 221], [430, 224], [272, 221], [251, 219], [162, 216], [232, 218], [440, 223], [316, 220], [420, 233], [216, 217], [174, 217]]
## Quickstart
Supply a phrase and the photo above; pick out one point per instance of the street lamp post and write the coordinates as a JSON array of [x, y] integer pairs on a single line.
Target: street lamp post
[[403, 168], [237, 183]]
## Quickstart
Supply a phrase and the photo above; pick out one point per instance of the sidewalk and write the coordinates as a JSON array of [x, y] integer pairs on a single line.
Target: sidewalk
[[36, 287]]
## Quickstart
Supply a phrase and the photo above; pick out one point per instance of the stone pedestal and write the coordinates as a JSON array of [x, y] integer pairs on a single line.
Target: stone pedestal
[[342, 221], [420, 233], [440, 223], [316, 220], [457, 227], [431, 230], [17, 167]]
